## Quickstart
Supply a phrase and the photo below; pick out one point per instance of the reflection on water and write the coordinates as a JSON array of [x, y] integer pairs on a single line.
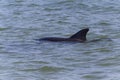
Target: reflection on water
[[24, 58]]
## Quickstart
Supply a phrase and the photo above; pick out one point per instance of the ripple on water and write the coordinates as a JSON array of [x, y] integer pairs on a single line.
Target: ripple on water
[[44, 69], [2, 29], [93, 77], [51, 69]]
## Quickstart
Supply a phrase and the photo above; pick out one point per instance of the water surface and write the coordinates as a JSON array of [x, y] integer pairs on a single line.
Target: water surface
[[24, 58]]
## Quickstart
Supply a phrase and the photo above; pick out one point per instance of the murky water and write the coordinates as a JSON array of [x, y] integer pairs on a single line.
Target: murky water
[[23, 58]]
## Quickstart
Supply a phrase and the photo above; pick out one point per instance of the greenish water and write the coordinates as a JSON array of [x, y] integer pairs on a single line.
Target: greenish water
[[23, 58]]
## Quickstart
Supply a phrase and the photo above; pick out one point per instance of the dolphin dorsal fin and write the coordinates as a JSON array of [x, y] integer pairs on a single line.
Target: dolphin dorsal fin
[[80, 34]]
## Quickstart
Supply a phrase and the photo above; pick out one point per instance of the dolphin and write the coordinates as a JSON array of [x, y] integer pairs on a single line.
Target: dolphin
[[80, 36]]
